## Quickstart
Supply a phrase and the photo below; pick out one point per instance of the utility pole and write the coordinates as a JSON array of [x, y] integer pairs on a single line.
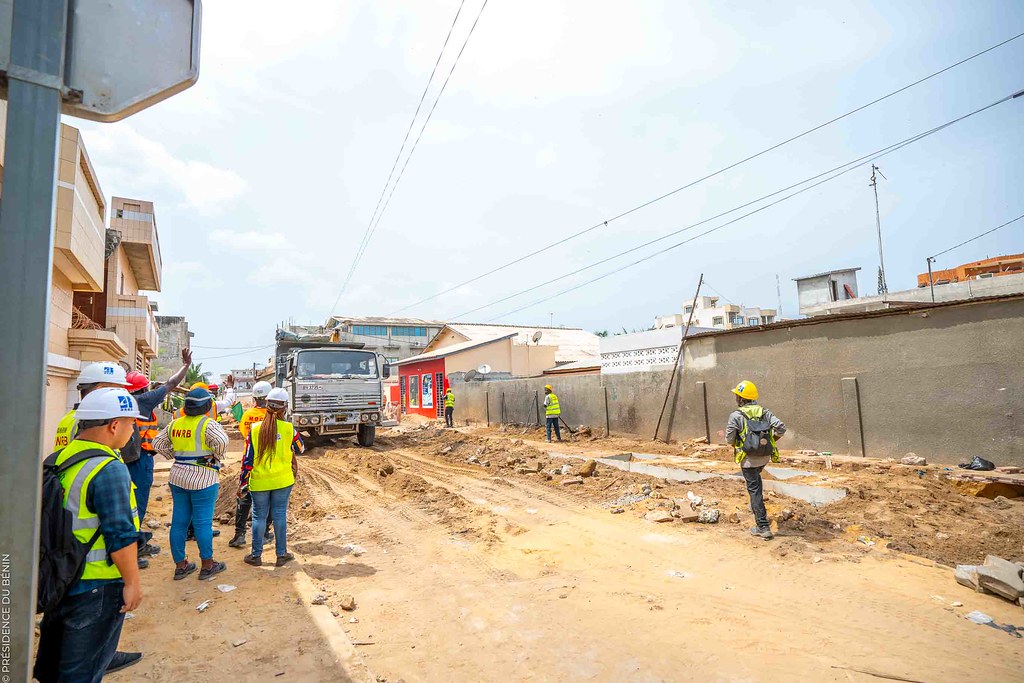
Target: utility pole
[[931, 283], [883, 288], [551, 319], [778, 292]]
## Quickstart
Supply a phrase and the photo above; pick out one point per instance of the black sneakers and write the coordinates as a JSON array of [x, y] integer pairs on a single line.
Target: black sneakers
[[762, 532]]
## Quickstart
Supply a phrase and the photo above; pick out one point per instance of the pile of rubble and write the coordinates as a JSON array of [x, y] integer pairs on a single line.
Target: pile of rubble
[[997, 576], [693, 508]]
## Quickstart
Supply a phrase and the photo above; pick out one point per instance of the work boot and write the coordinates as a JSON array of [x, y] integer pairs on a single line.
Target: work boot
[[282, 560], [762, 532], [211, 567], [149, 550], [238, 541], [254, 560], [183, 569], [122, 660], [143, 563]]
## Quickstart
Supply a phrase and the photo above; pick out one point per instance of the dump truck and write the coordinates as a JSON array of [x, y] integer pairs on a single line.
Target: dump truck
[[335, 389]]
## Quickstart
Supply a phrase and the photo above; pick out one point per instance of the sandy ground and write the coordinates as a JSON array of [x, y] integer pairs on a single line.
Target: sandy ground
[[465, 572]]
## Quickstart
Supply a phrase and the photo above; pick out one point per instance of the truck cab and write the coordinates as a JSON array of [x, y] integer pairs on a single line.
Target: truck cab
[[335, 388]]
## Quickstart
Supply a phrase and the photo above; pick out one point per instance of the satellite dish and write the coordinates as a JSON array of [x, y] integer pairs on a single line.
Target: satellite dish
[[537, 335], [483, 369], [470, 376]]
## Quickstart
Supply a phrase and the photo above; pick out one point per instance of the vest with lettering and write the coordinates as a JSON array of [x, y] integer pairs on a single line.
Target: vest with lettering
[[273, 470], [188, 441], [75, 481], [552, 409], [66, 430], [249, 418], [449, 400]]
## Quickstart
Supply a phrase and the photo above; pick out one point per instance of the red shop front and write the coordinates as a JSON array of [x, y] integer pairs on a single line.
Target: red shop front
[[421, 387]]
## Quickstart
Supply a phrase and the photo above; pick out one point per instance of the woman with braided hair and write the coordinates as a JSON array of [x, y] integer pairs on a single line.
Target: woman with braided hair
[[268, 474]]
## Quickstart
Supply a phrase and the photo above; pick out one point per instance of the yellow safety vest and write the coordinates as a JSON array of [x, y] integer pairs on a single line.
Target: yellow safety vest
[[75, 482], [552, 409], [66, 430], [752, 412], [249, 418], [188, 441], [274, 470], [449, 400]]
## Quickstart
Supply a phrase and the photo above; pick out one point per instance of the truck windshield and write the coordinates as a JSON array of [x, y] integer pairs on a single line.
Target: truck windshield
[[336, 365]]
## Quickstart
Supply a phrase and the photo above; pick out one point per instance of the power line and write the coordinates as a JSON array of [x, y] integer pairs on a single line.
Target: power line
[[850, 165], [232, 355], [372, 227], [412, 121], [884, 152], [690, 184], [226, 348], [987, 232]]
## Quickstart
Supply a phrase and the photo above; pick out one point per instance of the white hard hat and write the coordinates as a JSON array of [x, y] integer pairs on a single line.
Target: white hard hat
[[261, 389], [106, 404], [279, 395], [105, 373]]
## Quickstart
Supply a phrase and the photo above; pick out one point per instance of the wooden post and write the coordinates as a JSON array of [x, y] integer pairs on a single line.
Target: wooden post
[[679, 354], [487, 407], [536, 405], [607, 420], [702, 399]]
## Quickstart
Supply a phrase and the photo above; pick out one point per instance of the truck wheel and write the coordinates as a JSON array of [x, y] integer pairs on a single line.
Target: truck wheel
[[365, 435]]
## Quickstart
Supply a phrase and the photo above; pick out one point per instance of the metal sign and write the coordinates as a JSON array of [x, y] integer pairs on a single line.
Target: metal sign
[[122, 55]]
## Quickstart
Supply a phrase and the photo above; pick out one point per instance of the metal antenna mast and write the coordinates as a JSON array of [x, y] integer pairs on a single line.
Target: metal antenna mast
[[883, 288]]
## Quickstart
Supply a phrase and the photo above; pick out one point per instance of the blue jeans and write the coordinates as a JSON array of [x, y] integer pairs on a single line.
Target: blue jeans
[[78, 638], [195, 507], [276, 503], [558, 430], [141, 472]]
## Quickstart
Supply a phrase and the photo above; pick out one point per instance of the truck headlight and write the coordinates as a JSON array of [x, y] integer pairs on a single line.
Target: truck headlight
[[374, 416], [365, 417], [315, 420], [303, 421]]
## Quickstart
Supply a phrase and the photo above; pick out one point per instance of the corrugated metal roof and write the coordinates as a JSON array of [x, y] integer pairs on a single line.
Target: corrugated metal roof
[[452, 349], [579, 366], [335, 320], [573, 343]]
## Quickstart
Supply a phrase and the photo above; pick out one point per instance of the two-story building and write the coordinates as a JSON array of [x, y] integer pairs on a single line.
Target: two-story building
[[708, 311], [395, 338]]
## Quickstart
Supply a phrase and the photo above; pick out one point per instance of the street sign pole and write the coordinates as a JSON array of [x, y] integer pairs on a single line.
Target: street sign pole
[[35, 78]]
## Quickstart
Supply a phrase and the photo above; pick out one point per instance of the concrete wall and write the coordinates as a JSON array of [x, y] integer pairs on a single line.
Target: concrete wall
[[944, 383]]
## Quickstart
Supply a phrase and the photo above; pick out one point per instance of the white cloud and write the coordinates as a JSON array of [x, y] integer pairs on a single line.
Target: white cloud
[[135, 165]]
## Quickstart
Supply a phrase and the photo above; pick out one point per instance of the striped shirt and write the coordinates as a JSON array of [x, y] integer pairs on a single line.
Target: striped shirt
[[188, 476]]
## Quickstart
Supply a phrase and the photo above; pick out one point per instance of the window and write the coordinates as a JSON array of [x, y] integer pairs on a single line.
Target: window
[[714, 302], [767, 319], [717, 320], [687, 309], [414, 391], [121, 290], [391, 359], [336, 364], [753, 322], [735, 319], [402, 331], [370, 330]]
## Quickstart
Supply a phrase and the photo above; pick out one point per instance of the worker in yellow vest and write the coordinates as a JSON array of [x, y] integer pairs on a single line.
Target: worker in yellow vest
[[449, 408], [211, 411], [552, 412], [196, 444], [98, 493], [268, 474], [243, 508], [92, 377]]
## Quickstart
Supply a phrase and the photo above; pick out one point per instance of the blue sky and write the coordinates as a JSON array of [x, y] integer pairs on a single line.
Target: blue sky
[[559, 115]]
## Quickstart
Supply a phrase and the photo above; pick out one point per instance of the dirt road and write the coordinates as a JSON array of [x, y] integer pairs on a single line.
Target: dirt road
[[462, 572]]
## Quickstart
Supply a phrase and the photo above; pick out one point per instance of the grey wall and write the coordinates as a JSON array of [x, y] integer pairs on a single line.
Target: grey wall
[[944, 382]]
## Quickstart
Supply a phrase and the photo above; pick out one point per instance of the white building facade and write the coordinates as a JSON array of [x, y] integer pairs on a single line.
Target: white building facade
[[709, 312]]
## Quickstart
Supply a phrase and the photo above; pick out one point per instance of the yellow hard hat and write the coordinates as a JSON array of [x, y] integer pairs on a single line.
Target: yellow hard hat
[[200, 385], [747, 390], [548, 387]]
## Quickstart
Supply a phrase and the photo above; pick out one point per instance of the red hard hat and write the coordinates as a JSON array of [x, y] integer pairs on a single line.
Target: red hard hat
[[214, 387], [136, 381]]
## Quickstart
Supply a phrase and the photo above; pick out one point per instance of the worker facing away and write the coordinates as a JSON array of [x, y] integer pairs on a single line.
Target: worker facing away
[[78, 636], [105, 375], [552, 412], [449, 408], [243, 507], [752, 430], [138, 453]]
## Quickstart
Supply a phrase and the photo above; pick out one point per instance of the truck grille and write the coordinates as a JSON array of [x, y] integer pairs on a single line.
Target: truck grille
[[330, 404]]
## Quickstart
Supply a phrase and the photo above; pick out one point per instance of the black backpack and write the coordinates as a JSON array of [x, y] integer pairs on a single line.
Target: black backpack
[[61, 554], [758, 441]]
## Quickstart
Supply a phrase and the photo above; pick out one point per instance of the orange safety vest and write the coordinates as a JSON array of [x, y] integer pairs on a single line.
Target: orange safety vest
[[147, 432]]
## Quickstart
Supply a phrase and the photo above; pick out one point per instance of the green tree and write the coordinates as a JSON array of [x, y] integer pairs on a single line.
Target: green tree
[[601, 333], [195, 374]]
